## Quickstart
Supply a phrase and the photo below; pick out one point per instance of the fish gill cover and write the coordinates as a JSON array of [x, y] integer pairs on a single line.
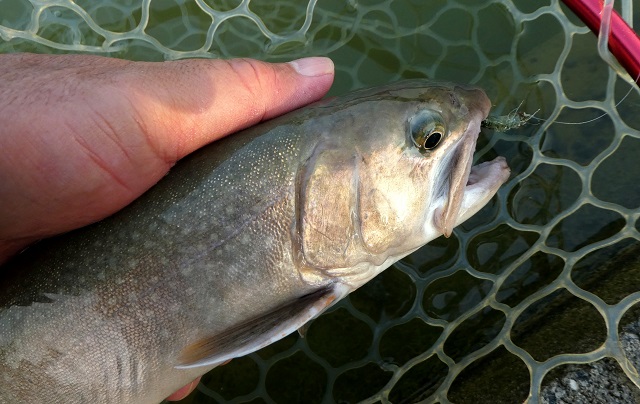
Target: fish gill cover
[[530, 298]]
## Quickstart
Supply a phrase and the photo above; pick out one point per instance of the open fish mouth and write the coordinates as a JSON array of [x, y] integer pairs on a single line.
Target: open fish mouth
[[470, 187]]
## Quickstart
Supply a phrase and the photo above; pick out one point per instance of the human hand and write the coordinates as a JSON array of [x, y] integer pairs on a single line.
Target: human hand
[[83, 136]]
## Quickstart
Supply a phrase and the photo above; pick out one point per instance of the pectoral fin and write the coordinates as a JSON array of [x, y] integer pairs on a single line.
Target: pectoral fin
[[259, 331]]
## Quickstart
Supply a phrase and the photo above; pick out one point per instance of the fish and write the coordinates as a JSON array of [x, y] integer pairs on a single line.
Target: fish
[[243, 242]]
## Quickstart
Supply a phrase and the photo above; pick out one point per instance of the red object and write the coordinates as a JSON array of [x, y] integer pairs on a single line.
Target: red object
[[624, 43]]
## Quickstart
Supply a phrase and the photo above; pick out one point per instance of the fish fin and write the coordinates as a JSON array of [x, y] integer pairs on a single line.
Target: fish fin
[[259, 331]]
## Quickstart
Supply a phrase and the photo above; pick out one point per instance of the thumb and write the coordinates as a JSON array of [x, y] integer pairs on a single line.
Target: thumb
[[85, 135], [199, 101]]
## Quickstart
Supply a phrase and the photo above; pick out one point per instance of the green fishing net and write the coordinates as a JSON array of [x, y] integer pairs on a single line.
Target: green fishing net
[[533, 298]]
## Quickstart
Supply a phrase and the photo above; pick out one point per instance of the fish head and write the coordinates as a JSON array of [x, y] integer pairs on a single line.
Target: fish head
[[394, 173]]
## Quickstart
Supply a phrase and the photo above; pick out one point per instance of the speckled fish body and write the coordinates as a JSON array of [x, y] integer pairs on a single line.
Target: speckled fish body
[[240, 244]]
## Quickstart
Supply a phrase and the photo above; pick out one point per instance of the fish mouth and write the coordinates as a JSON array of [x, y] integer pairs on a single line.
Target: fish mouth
[[470, 187]]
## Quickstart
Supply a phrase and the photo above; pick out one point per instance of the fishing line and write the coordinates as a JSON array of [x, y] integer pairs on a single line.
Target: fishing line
[[517, 119], [603, 46], [583, 122]]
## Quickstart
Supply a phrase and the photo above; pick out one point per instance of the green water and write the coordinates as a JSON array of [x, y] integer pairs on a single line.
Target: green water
[[530, 271]]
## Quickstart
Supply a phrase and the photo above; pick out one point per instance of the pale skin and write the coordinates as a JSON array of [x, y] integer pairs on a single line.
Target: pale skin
[[83, 136]]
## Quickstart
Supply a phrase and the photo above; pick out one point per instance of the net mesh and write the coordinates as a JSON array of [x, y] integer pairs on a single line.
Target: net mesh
[[533, 298]]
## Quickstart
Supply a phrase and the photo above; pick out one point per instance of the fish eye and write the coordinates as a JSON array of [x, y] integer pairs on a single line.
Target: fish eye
[[427, 130], [433, 140]]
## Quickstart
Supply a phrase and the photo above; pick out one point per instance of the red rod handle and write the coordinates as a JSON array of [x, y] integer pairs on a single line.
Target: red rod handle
[[624, 43]]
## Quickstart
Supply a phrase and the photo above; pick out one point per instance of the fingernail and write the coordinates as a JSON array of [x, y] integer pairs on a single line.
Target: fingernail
[[313, 66]]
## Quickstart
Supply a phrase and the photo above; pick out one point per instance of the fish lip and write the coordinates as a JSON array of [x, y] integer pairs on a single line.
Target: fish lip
[[488, 174], [446, 217]]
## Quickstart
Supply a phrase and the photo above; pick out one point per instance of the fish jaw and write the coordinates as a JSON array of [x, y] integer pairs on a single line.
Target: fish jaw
[[481, 183], [462, 200], [446, 217]]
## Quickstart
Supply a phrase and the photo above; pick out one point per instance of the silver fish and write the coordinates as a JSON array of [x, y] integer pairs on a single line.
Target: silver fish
[[242, 243]]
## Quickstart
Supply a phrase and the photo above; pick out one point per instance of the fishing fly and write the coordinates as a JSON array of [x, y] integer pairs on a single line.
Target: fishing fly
[[517, 118], [512, 120]]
